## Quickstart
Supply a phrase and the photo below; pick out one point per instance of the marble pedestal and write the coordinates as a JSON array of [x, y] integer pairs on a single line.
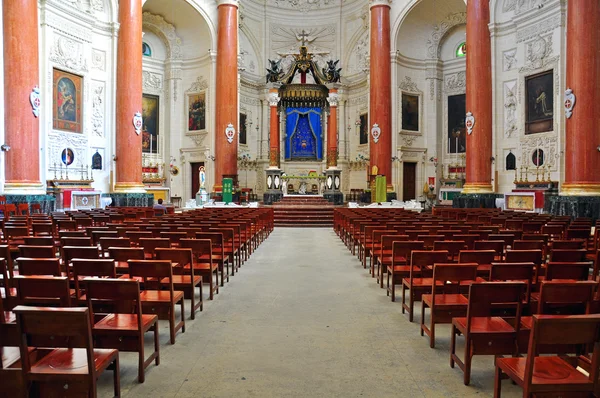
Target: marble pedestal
[[333, 180], [273, 193]]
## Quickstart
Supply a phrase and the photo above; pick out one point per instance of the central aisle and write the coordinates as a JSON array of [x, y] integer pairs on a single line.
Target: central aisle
[[303, 319]]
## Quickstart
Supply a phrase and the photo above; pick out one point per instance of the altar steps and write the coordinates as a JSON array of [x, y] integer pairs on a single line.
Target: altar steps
[[310, 211]]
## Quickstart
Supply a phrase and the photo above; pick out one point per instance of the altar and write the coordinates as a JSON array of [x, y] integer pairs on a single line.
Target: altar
[[303, 185]]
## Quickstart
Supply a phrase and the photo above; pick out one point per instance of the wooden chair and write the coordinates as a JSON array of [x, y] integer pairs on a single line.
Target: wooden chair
[[174, 237], [123, 254], [527, 256], [453, 247], [218, 253], [154, 299], [495, 245], [574, 244], [202, 262], [71, 252], [186, 282], [39, 241], [43, 290], [74, 366], [512, 272], [573, 271], [485, 333], [419, 280], [11, 379], [554, 375], [401, 251], [484, 258], [469, 239], [151, 244], [125, 328], [106, 242], [84, 268], [445, 300], [384, 258], [42, 229]]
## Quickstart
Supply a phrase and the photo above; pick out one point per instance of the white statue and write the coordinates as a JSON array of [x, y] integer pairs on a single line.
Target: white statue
[[202, 177], [322, 187], [284, 187], [302, 188]]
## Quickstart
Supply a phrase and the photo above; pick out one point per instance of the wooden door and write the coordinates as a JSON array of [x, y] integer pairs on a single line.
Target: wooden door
[[409, 180], [195, 178]]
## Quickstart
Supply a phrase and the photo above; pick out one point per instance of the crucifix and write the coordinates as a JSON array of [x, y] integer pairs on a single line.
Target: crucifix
[[303, 36]]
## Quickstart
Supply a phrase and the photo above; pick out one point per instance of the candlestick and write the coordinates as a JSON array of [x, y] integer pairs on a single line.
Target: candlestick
[[515, 181], [55, 170], [537, 174], [526, 174]]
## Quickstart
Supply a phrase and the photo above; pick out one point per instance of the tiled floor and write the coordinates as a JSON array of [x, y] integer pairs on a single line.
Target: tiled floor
[[303, 319]]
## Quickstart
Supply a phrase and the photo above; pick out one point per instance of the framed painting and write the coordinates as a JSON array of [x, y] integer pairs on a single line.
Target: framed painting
[[457, 135], [67, 101], [196, 112], [539, 104], [364, 129], [243, 129], [410, 112], [150, 110]]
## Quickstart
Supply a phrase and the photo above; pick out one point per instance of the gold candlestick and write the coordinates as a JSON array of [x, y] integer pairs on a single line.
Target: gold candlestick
[[526, 174], [515, 181], [537, 174]]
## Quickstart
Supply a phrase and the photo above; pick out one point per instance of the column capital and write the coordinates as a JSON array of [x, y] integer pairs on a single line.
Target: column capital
[[273, 98], [375, 3], [333, 98], [234, 3]]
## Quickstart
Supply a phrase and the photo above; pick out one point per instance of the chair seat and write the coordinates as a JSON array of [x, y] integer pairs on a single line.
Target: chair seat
[[160, 296], [421, 282], [203, 266], [124, 322], [215, 257], [446, 300], [11, 357], [402, 268], [526, 322], [388, 259], [185, 280], [546, 370], [483, 325], [72, 361]]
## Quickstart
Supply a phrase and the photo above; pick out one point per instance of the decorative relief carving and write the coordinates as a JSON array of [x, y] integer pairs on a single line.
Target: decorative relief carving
[[361, 51], [538, 54], [197, 86], [244, 99], [98, 109], [408, 85], [98, 59], [152, 81], [97, 5], [526, 5], [320, 39], [537, 29], [440, 30], [358, 100], [303, 5], [59, 140], [510, 108], [408, 139], [509, 5], [68, 53], [66, 28], [509, 59], [197, 138], [455, 81], [548, 143], [158, 24], [333, 99]]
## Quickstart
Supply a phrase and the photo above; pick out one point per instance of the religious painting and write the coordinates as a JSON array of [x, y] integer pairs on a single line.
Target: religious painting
[[457, 134], [243, 129], [539, 106], [67, 101], [537, 157], [410, 112], [67, 156], [196, 112], [364, 128], [150, 110]]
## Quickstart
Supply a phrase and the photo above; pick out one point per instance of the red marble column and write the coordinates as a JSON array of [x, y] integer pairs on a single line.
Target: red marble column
[[274, 141], [332, 127], [227, 91], [582, 158], [21, 75], [129, 97], [380, 106], [479, 98]]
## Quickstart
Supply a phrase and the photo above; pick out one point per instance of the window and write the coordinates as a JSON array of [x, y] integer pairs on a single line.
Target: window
[[364, 128], [243, 136], [146, 50], [461, 51]]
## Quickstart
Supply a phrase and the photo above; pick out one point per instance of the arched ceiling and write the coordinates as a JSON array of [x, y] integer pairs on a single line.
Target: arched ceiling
[[419, 26], [189, 25]]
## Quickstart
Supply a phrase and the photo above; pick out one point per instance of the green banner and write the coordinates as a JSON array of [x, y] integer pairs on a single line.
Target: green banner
[[227, 190], [380, 189]]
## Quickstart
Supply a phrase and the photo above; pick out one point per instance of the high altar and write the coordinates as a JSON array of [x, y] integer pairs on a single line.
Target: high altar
[[306, 113]]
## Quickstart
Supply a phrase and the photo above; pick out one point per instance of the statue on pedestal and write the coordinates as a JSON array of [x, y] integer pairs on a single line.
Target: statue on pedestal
[[201, 195]]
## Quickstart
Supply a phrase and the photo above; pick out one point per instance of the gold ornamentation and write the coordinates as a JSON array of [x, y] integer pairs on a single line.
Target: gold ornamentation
[[274, 157], [578, 189], [332, 155], [476, 187]]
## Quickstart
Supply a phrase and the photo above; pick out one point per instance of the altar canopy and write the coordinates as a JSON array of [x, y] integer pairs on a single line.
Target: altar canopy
[[304, 137]]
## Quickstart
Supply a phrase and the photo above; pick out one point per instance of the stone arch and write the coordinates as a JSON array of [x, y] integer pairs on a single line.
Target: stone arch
[[441, 30], [166, 32]]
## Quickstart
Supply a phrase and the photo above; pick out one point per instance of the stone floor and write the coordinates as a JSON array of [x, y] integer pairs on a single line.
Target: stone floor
[[303, 319]]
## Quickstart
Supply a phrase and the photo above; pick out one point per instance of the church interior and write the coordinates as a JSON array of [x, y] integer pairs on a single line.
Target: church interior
[[228, 198]]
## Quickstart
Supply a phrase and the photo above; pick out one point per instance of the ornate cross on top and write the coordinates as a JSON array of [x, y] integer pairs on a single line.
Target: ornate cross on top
[[302, 36]]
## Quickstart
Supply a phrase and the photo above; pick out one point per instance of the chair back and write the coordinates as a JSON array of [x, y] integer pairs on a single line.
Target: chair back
[[453, 247], [123, 295], [477, 256], [43, 290], [39, 241], [71, 252], [405, 248], [485, 299], [568, 244], [123, 254], [528, 245], [566, 297], [508, 272], [181, 256], [451, 275], [106, 242], [37, 251], [524, 256], [151, 244], [563, 255], [39, 266], [495, 245], [576, 271]]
